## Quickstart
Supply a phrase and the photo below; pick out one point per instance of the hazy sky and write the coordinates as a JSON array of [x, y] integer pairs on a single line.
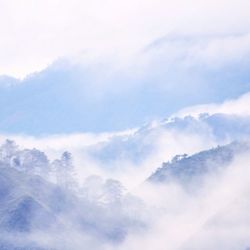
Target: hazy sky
[[36, 33]]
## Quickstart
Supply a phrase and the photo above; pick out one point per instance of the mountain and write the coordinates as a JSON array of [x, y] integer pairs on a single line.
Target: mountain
[[28, 204], [189, 169], [205, 198], [39, 197], [42, 206], [161, 136]]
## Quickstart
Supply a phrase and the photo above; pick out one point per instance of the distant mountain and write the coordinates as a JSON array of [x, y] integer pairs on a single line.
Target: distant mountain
[[188, 169], [67, 98], [152, 137]]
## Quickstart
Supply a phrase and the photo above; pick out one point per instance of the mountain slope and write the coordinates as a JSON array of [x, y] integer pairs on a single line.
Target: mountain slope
[[34, 203], [151, 139], [185, 169]]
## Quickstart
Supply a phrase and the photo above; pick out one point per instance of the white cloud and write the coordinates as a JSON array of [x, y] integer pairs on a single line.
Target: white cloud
[[239, 106], [36, 33]]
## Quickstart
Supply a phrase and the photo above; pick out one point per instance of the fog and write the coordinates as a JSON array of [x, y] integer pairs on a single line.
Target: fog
[[96, 191], [212, 214]]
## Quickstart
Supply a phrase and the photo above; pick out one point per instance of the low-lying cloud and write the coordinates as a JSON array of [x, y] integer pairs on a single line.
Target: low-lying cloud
[[106, 199], [239, 106]]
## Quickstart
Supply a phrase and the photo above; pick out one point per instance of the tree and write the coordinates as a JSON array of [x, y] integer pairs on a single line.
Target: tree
[[33, 161], [64, 170], [7, 151]]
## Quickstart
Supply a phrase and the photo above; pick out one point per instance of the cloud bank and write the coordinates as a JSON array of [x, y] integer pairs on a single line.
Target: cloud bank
[[89, 31]]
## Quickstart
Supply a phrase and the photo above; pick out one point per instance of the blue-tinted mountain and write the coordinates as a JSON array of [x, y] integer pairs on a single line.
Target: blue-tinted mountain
[[66, 98], [187, 169], [143, 143], [42, 197]]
